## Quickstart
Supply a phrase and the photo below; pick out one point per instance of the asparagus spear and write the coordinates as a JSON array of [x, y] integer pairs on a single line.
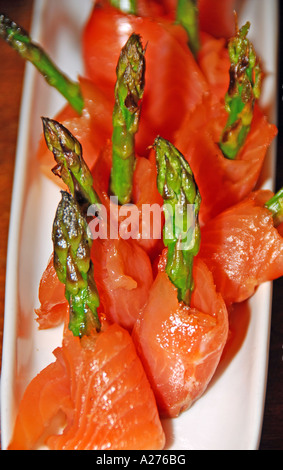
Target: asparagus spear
[[181, 234], [127, 6], [71, 166], [129, 90], [187, 15], [275, 205], [72, 245], [244, 90], [20, 40]]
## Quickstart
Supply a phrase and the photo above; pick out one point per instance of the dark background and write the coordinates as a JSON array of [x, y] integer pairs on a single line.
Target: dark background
[[11, 77]]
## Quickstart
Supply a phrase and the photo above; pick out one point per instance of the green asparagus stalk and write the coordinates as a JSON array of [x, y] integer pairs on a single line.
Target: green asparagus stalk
[[275, 205], [20, 40], [72, 245], [244, 90], [181, 233], [71, 166], [187, 15], [129, 90], [127, 6]]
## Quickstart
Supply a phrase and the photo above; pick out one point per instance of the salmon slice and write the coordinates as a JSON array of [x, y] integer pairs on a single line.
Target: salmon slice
[[122, 268], [114, 406], [242, 248], [46, 395], [149, 203], [222, 182], [92, 128], [180, 346], [154, 8], [123, 275], [174, 83], [54, 307], [217, 17], [214, 62], [100, 386], [147, 229]]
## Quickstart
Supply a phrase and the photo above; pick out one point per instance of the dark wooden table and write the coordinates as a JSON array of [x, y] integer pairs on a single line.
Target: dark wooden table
[[11, 79]]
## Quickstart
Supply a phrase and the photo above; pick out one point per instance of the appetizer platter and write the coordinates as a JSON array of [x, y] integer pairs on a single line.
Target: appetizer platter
[[200, 313]]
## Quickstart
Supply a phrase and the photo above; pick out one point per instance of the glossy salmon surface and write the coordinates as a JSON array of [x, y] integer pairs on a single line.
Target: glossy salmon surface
[[54, 307], [222, 182], [174, 82], [242, 248], [180, 346], [123, 274], [99, 384]]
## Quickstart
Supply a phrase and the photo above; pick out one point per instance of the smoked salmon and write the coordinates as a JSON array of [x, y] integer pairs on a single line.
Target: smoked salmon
[[147, 232], [222, 182], [217, 17], [180, 346], [53, 308], [97, 381], [149, 203], [242, 248], [213, 60], [174, 83], [123, 275], [99, 385], [46, 395], [122, 269]]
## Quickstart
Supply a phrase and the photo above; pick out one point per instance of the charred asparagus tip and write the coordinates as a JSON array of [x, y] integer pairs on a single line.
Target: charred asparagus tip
[[244, 90], [71, 166]]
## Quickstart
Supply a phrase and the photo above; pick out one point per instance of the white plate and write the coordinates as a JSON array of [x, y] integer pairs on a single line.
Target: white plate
[[229, 415]]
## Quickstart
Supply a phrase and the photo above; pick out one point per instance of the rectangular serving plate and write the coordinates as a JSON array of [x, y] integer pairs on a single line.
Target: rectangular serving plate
[[229, 415]]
